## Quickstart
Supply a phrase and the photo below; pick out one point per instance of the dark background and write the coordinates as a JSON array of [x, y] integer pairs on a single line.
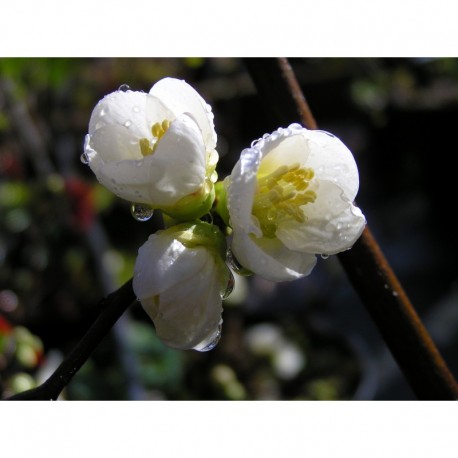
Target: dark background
[[65, 241]]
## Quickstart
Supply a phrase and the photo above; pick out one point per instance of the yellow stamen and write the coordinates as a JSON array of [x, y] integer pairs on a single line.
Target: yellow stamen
[[281, 195], [158, 130]]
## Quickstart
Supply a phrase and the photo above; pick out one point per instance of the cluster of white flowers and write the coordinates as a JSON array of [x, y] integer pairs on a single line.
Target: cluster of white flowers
[[288, 199]]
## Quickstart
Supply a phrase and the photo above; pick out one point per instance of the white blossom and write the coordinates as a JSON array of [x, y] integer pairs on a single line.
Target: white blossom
[[290, 198], [180, 278], [156, 149]]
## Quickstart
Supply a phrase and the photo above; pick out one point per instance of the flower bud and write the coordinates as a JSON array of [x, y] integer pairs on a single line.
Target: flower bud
[[180, 278]]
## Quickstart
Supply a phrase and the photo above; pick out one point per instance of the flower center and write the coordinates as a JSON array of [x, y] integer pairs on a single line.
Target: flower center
[[158, 130], [281, 195]]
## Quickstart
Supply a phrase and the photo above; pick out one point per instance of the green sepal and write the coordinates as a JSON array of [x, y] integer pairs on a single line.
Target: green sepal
[[220, 204], [192, 206]]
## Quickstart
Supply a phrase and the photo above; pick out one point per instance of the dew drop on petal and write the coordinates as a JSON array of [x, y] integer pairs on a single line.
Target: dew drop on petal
[[136, 109], [211, 342], [124, 87], [128, 123], [141, 212], [226, 292], [235, 265], [84, 158]]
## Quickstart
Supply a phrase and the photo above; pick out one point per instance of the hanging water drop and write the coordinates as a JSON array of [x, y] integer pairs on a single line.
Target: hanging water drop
[[324, 256], [235, 265], [210, 343], [124, 87], [226, 292], [141, 212], [84, 158]]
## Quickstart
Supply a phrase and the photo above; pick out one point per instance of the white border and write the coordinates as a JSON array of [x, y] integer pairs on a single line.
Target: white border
[[212, 28]]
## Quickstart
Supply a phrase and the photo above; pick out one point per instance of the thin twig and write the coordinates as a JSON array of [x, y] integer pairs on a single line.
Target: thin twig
[[114, 305], [365, 264]]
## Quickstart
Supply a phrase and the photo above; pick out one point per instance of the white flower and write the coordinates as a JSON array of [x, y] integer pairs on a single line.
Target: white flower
[[289, 198], [156, 149], [180, 278]]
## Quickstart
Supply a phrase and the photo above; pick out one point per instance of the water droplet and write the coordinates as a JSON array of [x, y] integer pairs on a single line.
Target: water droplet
[[210, 343], [324, 256], [103, 112], [136, 109], [236, 266], [226, 292], [141, 212], [127, 123], [124, 87], [84, 158]]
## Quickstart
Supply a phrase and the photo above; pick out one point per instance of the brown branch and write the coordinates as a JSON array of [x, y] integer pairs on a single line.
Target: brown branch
[[365, 264], [114, 305]]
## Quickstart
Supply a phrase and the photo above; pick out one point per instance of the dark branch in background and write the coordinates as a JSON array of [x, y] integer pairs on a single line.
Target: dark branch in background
[[365, 264], [113, 306]]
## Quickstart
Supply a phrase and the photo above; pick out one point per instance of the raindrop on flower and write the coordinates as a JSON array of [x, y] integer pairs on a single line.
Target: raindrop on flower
[[213, 341], [235, 265], [127, 123], [136, 109], [84, 158], [141, 212], [124, 87], [225, 293]]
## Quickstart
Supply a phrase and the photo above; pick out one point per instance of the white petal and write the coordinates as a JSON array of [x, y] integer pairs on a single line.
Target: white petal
[[157, 111], [270, 259], [174, 170], [241, 187], [284, 151], [332, 224], [161, 261], [333, 161], [113, 142], [197, 317], [182, 153], [180, 97], [120, 108]]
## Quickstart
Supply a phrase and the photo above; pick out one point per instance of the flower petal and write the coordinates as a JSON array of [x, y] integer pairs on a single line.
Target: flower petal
[[157, 262], [241, 186], [284, 151], [182, 153], [332, 225], [189, 313], [112, 143], [120, 108], [331, 160], [180, 98], [270, 259]]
